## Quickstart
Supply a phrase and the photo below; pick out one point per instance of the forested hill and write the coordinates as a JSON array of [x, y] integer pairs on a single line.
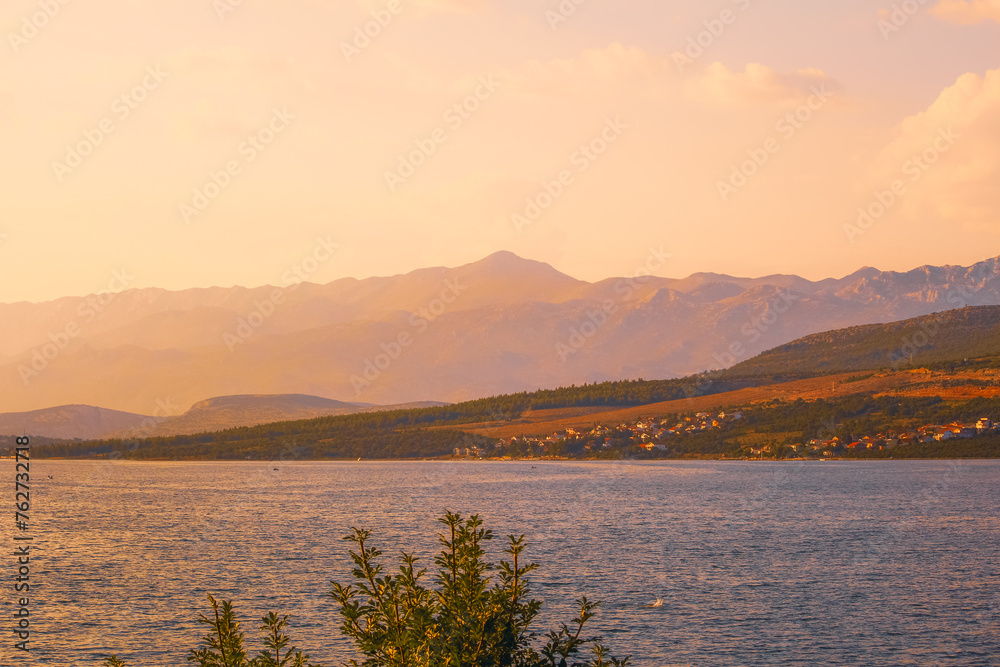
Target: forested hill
[[391, 434], [932, 340]]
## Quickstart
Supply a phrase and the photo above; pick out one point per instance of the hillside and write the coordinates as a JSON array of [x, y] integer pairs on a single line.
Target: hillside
[[501, 325], [86, 422], [226, 412], [949, 336], [780, 414], [958, 387], [216, 414]]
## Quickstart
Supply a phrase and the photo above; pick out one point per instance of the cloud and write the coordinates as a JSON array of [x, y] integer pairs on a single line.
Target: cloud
[[948, 156], [967, 12], [718, 85], [616, 68]]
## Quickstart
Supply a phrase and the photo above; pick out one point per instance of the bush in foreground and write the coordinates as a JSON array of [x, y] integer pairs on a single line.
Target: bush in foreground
[[395, 620]]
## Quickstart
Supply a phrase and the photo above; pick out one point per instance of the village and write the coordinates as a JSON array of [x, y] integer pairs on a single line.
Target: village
[[882, 441], [657, 436]]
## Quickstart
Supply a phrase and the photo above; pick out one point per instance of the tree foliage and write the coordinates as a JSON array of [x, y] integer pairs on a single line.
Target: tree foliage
[[468, 618], [396, 620]]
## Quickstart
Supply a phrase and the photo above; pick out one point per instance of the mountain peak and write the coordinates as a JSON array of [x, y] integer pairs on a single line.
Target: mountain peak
[[513, 269], [505, 261]]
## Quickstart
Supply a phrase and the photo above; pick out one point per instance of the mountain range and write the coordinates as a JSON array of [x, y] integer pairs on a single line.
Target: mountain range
[[500, 325]]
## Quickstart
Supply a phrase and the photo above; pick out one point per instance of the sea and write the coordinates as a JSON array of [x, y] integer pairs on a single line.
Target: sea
[[754, 563]]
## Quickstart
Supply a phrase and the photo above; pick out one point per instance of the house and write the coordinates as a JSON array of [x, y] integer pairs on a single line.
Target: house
[[468, 451], [984, 424]]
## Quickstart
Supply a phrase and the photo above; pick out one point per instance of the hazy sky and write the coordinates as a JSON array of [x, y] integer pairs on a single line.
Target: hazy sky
[[122, 117]]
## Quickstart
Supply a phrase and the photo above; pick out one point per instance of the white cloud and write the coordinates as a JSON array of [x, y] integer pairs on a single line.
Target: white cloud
[[950, 183]]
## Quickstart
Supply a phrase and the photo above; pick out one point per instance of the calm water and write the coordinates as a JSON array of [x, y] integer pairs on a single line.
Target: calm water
[[889, 563]]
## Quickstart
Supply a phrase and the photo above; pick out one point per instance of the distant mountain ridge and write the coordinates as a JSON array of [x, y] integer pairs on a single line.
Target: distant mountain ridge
[[68, 422], [87, 422], [500, 325]]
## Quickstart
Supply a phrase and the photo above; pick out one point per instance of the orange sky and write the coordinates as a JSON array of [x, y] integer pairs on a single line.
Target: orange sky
[[212, 142]]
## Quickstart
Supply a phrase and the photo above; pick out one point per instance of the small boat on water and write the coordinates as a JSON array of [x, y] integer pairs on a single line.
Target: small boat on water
[[658, 603]]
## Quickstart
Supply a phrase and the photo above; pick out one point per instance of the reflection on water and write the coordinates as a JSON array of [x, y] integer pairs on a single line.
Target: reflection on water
[[756, 563]]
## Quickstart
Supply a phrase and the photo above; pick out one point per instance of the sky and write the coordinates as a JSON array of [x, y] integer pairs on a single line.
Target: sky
[[196, 143]]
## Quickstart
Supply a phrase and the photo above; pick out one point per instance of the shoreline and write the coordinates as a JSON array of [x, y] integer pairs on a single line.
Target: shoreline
[[508, 460]]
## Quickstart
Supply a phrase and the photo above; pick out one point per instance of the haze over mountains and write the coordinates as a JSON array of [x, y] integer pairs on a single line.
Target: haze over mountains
[[500, 325]]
